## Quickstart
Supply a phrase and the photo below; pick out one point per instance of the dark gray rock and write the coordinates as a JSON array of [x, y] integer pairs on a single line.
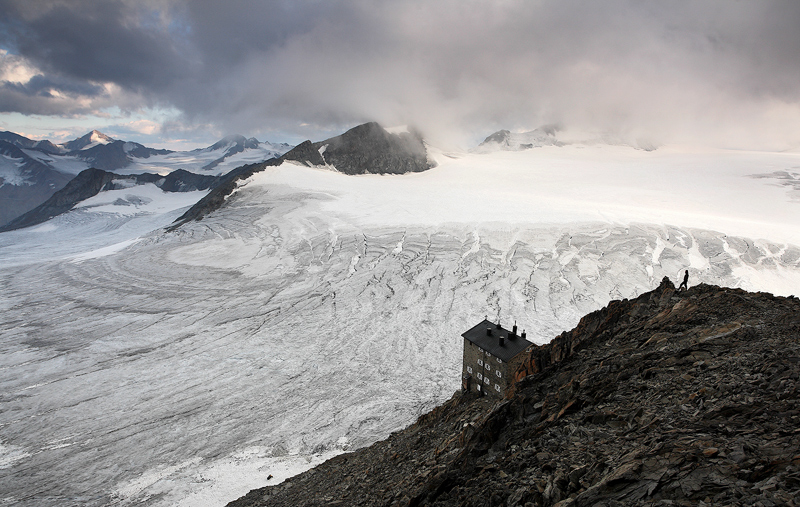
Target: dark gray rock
[[369, 148]]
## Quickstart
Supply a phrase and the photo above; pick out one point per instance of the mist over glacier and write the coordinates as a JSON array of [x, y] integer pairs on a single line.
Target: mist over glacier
[[317, 312]]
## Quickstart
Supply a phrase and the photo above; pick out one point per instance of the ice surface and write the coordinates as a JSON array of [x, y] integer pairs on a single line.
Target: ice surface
[[317, 312]]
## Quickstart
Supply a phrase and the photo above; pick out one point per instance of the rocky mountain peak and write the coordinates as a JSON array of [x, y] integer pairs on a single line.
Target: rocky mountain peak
[[671, 398], [369, 148], [89, 140]]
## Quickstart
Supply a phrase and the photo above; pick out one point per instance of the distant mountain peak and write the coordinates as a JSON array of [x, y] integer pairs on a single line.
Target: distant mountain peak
[[89, 140], [557, 135], [234, 140], [98, 137], [507, 140]]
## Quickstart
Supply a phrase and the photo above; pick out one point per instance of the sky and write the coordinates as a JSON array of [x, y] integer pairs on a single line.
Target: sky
[[183, 73]]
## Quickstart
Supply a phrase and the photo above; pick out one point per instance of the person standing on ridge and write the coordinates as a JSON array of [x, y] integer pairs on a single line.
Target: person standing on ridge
[[685, 283]]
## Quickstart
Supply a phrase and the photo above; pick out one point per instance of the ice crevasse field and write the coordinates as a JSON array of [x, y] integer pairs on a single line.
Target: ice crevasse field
[[318, 312]]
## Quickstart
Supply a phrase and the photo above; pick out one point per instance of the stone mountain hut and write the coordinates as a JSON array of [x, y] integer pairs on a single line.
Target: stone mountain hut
[[491, 356]]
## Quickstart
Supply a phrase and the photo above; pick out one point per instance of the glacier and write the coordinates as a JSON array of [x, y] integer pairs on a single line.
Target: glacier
[[318, 312]]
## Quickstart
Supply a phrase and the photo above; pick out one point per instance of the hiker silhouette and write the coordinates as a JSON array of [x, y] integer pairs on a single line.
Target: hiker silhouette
[[685, 283]]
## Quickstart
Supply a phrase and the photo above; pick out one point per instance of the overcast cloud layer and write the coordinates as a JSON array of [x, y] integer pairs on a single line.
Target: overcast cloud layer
[[719, 72]]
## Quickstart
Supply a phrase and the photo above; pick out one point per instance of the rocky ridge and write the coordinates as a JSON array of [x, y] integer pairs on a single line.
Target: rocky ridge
[[671, 398], [91, 182]]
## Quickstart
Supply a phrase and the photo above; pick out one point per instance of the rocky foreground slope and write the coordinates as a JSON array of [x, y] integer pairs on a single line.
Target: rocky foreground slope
[[672, 398]]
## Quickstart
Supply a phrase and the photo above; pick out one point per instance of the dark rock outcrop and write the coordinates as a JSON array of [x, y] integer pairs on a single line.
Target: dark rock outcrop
[[91, 182], [672, 398], [305, 152], [368, 148]]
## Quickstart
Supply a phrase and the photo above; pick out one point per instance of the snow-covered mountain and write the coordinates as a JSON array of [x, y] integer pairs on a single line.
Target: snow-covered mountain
[[231, 145], [556, 135], [25, 181], [316, 311], [506, 140], [32, 171], [90, 140], [219, 158]]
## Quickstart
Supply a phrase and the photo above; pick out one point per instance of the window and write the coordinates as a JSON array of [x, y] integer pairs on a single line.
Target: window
[[499, 360], [478, 386], [488, 366], [486, 380], [499, 374], [480, 377], [497, 387], [488, 355], [480, 362], [469, 369]]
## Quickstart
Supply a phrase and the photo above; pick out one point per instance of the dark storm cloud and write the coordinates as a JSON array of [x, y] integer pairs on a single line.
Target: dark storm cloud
[[50, 87], [670, 69], [96, 40]]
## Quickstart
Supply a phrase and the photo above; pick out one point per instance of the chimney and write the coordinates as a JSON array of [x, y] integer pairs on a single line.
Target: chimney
[[488, 331], [498, 324], [514, 329], [502, 341], [523, 335]]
